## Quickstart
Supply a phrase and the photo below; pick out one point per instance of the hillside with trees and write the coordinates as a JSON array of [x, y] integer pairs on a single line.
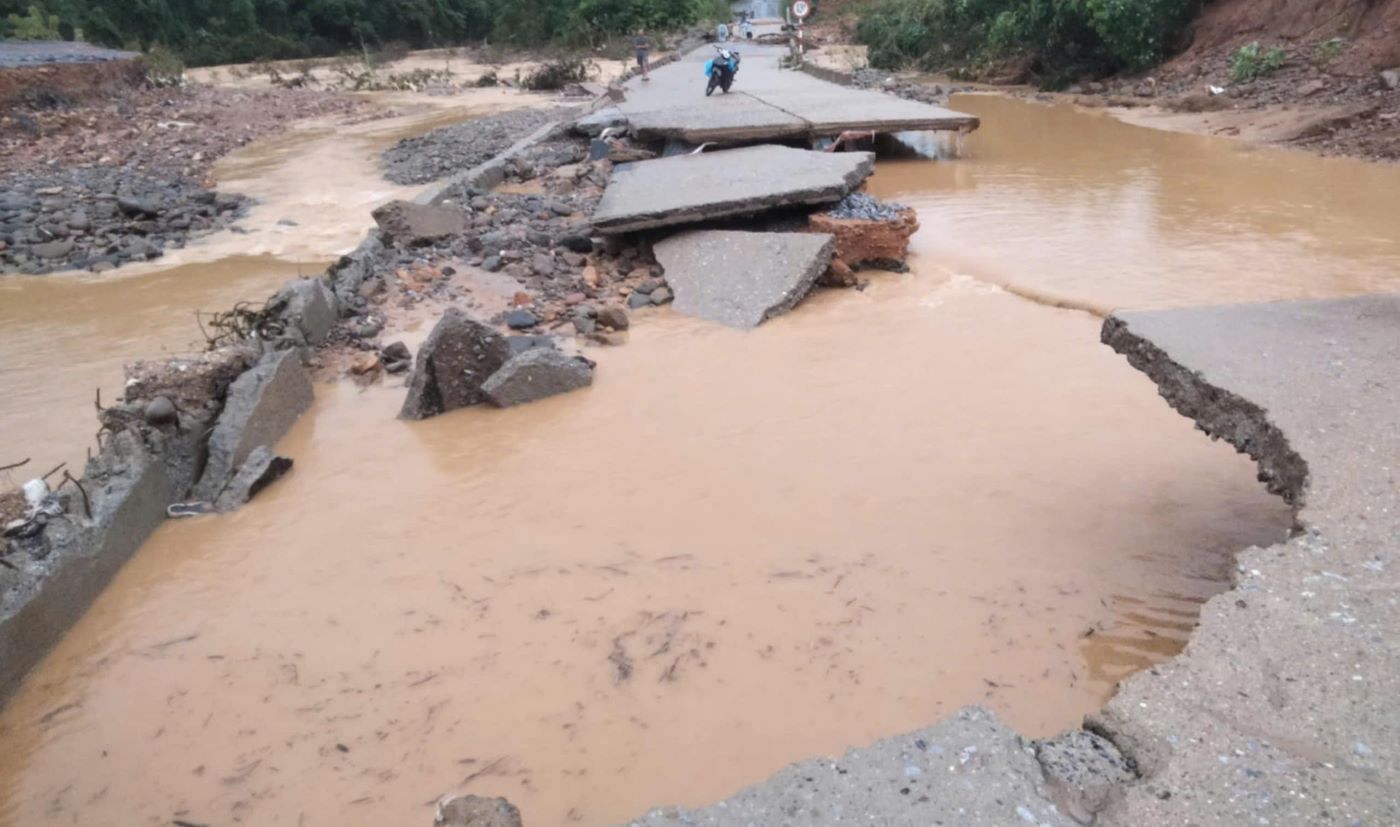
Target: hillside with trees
[[227, 31]]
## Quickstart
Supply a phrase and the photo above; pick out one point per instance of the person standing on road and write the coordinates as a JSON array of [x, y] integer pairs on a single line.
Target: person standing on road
[[642, 44], [722, 32]]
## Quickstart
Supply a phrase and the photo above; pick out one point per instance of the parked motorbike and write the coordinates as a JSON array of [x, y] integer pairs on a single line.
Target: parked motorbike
[[721, 70]]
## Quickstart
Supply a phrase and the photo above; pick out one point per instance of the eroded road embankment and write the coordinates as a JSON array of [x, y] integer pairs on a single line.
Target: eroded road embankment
[[638, 566], [1280, 711]]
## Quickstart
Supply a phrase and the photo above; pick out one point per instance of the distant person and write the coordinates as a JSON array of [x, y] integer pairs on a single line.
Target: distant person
[[747, 28], [722, 32], [642, 44]]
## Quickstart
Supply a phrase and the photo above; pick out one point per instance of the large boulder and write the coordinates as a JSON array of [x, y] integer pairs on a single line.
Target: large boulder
[[409, 225], [458, 357], [535, 374]]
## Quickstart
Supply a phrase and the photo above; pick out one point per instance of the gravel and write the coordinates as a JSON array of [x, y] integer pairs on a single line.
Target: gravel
[[98, 218], [462, 146], [868, 207]]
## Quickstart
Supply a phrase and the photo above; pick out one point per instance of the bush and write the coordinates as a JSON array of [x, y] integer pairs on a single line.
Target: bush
[[36, 25], [1136, 32], [164, 67], [1060, 37], [1251, 61], [1327, 52], [557, 74]]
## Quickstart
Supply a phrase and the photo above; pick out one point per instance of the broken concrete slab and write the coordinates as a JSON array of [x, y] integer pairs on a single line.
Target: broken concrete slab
[[969, 770], [599, 121], [832, 110], [1281, 710], [739, 278], [667, 192], [537, 373], [1082, 770], [458, 356], [728, 119], [127, 490], [261, 469], [309, 310], [262, 405], [351, 270], [411, 225]]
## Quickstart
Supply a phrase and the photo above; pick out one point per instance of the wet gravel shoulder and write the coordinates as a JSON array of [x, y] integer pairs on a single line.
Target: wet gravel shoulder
[[451, 149]]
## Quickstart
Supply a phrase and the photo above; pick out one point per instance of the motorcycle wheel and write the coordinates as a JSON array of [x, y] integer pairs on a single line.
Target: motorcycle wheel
[[710, 89], [726, 84]]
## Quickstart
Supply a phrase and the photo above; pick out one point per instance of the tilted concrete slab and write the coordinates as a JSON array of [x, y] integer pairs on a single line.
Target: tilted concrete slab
[[832, 110], [1282, 710], [741, 279], [691, 188]]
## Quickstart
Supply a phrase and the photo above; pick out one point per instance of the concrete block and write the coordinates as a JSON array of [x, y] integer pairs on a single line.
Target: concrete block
[[741, 279], [262, 405]]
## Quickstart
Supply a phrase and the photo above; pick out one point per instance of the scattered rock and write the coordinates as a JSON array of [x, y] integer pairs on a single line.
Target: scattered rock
[[613, 317], [161, 411], [476, 811], [535, 374], [1390, 78], [638, 300], [458, 356], [521, 320], [661, 295]]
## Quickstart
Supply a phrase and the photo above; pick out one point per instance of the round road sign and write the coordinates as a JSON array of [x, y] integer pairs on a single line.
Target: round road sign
[[801, 9]]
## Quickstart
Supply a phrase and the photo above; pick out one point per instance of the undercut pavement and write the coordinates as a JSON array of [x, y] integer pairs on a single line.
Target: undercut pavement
[[1281, 710]]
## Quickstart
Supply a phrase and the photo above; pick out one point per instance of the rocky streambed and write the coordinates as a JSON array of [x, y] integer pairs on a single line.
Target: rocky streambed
[[99, 218]]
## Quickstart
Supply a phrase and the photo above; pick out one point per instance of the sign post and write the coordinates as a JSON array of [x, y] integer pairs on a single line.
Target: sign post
[[798, 12]]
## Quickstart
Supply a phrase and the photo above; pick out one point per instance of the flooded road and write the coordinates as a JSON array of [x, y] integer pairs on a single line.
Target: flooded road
[[735, 550], [64, 336], [1073, 206], [828, 545]]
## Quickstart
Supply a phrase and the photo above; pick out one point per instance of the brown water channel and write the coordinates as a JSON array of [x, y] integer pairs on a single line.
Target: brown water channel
[[736, 549]]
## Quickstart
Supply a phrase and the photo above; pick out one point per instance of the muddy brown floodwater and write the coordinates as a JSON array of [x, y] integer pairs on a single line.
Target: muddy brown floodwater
[[736, 549]]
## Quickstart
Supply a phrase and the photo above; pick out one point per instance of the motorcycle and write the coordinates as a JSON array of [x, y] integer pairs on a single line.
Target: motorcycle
[[721, 70]]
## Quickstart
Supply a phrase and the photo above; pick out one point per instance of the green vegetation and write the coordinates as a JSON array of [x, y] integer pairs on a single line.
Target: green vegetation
[[203, 32], [34, 25], [1251, 62], [1327, 52], [1056, 39]]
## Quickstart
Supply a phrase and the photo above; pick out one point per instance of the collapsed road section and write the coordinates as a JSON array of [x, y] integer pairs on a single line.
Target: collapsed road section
[[1281, 709]]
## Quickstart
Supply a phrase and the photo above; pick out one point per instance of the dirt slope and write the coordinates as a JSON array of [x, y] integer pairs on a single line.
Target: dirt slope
[[1371, 29]]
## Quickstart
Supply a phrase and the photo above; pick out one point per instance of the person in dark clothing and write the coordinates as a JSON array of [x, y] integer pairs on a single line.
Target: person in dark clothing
[[642, 44]]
